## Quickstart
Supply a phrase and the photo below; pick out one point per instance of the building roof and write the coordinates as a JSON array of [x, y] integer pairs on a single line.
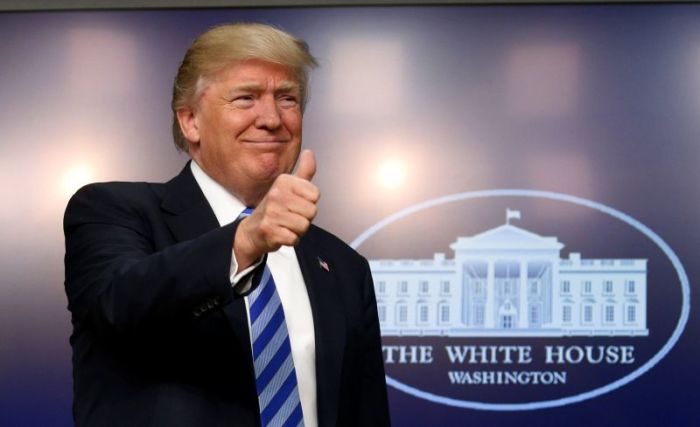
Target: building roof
[[506, 237]]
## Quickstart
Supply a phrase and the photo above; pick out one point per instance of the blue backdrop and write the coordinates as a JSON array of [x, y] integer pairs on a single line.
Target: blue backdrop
[[410, 104]]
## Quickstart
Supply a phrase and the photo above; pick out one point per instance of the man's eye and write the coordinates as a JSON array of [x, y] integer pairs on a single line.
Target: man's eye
[[288, 101], [243, 100]]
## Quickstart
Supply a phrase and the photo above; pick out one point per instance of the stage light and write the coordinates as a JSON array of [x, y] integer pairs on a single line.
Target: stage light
[[74, 178], [391, 174]]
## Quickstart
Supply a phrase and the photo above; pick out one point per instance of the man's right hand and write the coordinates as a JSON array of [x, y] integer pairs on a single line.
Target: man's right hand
[[282, 217]]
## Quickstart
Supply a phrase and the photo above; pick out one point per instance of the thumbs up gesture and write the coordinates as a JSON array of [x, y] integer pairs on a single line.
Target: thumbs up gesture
[[281, 217], [307, 166]]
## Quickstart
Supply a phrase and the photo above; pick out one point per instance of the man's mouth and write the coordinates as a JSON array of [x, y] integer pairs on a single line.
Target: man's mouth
[[265, 141]]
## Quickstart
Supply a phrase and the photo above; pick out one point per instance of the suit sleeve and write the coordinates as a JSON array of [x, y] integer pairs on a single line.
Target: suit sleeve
[[374, 406], [118, 281]]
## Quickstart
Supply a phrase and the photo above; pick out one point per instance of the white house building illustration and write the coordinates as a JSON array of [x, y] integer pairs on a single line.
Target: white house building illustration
[[508, 281]]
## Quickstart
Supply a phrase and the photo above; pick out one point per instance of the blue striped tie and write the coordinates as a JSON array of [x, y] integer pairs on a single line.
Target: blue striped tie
[[275, 377]]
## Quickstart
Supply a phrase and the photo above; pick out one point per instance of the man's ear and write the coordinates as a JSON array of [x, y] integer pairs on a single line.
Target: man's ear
[[189, 125]]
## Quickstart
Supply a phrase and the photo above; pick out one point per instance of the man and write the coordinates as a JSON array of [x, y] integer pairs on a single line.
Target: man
[[168, 284]]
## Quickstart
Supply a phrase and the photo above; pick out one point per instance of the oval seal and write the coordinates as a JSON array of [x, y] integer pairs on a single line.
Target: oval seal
[[534, 194]]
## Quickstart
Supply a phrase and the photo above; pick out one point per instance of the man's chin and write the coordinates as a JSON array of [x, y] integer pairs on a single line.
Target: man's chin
[[270, 166]]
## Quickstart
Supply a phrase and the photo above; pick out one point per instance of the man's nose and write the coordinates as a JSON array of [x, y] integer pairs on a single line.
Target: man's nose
[[268, 116]]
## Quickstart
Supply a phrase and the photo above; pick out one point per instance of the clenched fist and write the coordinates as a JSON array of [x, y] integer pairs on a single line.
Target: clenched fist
[[281, 217]]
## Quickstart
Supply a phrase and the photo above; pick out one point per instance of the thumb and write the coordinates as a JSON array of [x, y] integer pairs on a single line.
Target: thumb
[[307, 165]]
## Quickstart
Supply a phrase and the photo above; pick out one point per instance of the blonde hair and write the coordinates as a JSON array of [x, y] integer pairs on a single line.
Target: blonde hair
[[223, 45]]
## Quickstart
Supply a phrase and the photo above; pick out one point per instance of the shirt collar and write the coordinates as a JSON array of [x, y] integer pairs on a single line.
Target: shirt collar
[[226, 207]]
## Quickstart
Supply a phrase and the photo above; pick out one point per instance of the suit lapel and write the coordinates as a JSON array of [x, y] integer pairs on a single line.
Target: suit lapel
[[188, 213], [329, 326]]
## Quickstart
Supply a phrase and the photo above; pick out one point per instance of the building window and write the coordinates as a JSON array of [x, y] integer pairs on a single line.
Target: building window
[[381, 287], [445, 287], [631, 314], [507, 287], [587, 287], [629, 286], [422, 312], [424, 287], [534, 287], [401, 313], [479, 315], [566, 314], [507, 322], [587, 313], [445, 313], [607, 286], [565, 287], [609, 316], [381, 312], [403, 287], [534, 315], [478, 288]]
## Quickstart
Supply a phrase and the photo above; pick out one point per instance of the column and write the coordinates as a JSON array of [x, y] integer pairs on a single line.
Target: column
[[522, 298], [555, 294], [489, 317]]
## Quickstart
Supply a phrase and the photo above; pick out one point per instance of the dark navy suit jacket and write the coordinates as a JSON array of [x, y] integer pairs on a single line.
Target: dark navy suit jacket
[[159, 337]]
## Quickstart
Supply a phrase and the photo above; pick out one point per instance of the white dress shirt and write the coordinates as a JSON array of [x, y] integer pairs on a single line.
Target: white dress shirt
[[284, 266]]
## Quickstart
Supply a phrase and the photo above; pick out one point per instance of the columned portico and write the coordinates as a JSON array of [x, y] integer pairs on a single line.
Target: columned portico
[[500, 258]]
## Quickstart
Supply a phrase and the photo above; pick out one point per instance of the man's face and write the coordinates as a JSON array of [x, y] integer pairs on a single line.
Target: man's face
[[246, 128]]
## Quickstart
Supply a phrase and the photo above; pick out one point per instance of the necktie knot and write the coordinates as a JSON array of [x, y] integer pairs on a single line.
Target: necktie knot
[[247, 211]]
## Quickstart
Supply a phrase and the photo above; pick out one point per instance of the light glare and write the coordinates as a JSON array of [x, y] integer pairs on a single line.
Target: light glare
[[391, 174], [74, 178]]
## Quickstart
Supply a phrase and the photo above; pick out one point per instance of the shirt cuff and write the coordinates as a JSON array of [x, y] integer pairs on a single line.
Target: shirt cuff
[[242, 281]]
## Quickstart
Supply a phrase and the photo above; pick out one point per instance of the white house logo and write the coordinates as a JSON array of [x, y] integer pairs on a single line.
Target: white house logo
[[508, 281], [504, 321]]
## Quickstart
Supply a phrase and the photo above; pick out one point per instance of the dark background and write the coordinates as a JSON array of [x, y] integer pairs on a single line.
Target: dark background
[[597, 101]]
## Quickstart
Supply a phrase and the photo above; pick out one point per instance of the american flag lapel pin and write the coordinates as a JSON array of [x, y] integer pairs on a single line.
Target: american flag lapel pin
[[323, 264]]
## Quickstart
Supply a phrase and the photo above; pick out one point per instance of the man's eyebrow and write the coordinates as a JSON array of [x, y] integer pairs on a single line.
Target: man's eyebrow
[[284, 86], [287, 86], [246, 87]]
